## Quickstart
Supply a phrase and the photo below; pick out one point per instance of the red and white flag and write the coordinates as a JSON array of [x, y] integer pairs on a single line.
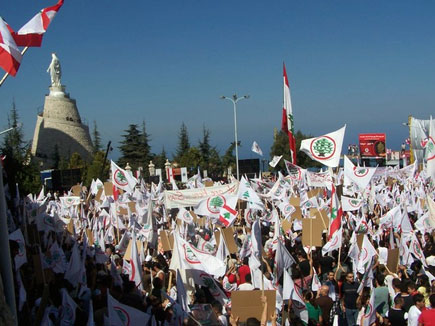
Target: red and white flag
[[10, 55], [287, 117], [325, 149], [32, 32], [228, 212], [335, 213]]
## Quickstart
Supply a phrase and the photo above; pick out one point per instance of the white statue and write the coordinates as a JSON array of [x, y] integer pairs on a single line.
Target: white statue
[[54, 70]]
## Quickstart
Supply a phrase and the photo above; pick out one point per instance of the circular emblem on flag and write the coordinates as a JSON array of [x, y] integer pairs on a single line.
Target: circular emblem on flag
[[335, 242], [323, 148], [363, 228], [369, 310], [215, 203], [354, 203], [189, 255], [248, 216], [360, 172], [119, 178], [288, 209], [187, 217], [294, 173], [123, 315]]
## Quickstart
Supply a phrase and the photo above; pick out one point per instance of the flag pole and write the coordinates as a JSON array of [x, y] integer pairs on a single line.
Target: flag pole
[[7, 74]]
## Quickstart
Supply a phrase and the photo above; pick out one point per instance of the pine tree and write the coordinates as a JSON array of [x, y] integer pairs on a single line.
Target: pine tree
[[160, 159], [229, 159], [94, 169], [131, 148], [204, 148], [183, 143], [146, 148], [96, 138], [20, 166]]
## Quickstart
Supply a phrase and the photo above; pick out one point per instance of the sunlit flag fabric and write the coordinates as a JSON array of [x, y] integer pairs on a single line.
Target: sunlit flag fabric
[[256, 149], [361, 176], [228, 212], [334, 243], [32, 32], [325, 149], [122, 179], [350, 204], [10, 55], [287, 117]]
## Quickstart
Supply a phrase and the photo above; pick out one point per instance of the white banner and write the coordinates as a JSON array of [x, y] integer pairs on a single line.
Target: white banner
[[319, 179], [192, 197]]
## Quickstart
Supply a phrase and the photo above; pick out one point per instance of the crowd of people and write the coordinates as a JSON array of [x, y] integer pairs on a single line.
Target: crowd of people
[[102, 257]]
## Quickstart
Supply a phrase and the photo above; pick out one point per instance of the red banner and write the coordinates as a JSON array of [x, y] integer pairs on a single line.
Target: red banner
[[372, 145]]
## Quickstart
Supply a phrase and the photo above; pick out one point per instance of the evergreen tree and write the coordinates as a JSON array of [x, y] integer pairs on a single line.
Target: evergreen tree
[[204, 148], [160, 159], [229, 159], [132, 148], [94, 169], [96, 138], [183, 143], [21, 168]]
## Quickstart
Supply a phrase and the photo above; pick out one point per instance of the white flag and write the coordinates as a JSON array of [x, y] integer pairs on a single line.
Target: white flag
[[275, 161], [325, 149], [334, 243], [256, 149], [21, 257], [366, 254], [68, 314], [122, 179], [361, 176], [350, 204], [248, 194], [123, 315], [370, 311]]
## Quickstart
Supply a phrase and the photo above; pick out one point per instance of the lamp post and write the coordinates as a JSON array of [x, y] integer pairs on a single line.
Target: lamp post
[[235, 99]]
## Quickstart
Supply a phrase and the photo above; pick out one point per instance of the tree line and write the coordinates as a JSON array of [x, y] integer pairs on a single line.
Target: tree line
[[23, 169]]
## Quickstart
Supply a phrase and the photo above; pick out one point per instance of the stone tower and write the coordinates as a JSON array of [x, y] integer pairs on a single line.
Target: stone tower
[[60, 124]]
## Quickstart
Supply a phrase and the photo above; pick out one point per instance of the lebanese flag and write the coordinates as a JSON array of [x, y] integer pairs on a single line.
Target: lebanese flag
[[287, 117], [32, 32], [228, 213], [336, 213], [10, 55]]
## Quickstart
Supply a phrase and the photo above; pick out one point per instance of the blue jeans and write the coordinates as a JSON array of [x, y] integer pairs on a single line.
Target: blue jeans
[[351, 316]]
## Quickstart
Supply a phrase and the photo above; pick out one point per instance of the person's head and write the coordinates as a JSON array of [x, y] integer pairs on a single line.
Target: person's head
[[331, 276], [411, 287], [217, 308], [404, 287], [396, 284], [398, 301], [432, 300], [418, 300], [324, 290], [380, 278], [349, 277], [248, 278], [252, 322]]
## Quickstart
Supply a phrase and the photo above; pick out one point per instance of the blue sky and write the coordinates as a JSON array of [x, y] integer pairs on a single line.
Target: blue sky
[[368, 64]]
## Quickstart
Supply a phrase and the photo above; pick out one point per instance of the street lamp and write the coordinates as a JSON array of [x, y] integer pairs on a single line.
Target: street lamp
[[235, 99]]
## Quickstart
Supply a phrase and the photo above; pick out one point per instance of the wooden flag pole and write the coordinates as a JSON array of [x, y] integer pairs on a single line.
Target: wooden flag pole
[[7, 74]]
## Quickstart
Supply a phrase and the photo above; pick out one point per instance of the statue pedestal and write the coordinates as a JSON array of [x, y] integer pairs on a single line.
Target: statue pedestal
[[58, 91]]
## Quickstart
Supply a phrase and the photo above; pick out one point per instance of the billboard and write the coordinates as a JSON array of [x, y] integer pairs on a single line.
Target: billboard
[[372, 145]]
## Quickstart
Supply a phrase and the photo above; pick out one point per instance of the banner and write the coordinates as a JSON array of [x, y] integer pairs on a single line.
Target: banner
[[372, 145], [192, 197]]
